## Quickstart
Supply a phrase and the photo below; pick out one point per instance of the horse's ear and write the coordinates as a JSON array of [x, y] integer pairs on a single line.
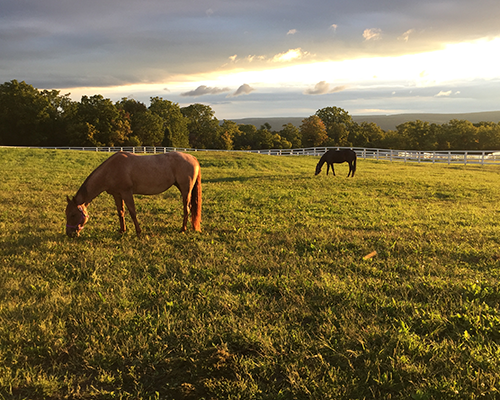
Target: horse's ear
[[69, 200]]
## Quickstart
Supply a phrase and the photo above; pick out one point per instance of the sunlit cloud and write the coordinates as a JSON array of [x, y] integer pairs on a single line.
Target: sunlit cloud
[[204, 90], [323, 88], [243, 89], [372, 34], [406, 36], [290, 55], [444, 94], [292, 32], [333, 27]]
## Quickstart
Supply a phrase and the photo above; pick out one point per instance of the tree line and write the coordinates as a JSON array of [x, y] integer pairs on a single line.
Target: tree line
[[32, 117]]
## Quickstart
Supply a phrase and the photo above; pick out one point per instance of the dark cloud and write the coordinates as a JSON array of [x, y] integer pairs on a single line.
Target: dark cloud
[[204, 90], [96, 43], [243, 89]]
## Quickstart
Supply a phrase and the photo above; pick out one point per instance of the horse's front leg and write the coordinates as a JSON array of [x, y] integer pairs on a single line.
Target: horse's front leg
[[120, 207], [333, 170], [129, 201]]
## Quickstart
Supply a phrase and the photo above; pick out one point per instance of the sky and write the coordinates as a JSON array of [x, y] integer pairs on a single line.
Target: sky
[[261, 58]]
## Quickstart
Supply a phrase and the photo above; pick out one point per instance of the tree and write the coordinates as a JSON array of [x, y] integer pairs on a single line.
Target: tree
[[337, 122], [461, 135], [367, 134], [488, 134], [27, 115], [245, 138], [175, 124], [202, 126], [147, 128], [228, 130], [98, 122], [313, 131], [265, 139], [292, 134], [418, 135]]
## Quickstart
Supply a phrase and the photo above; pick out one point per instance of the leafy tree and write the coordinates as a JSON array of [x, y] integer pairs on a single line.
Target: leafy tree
[[202, 126], [245, 138], [131, 106], [98, 122], [228, 130], [27, 115], [418, 135], [337, 122], [367, 134], [265, 138], [461, 135], [292, 134], [488, 134], [175, 124], [313, 131], [147, 128]]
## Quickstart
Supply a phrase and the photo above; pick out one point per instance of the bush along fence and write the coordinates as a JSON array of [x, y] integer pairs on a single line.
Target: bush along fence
[[486, 157]]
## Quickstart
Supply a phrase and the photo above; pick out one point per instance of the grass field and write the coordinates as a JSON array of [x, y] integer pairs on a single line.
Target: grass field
[[272, 300]]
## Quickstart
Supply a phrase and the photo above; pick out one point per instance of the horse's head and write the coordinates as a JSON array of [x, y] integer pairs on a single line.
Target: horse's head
[[318, 168], [76, 217]]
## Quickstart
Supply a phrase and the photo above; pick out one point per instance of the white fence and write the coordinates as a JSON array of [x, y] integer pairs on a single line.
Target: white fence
[[487, 157]]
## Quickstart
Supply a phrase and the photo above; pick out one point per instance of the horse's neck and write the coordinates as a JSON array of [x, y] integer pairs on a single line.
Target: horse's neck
[[89, 190], [322, 160]]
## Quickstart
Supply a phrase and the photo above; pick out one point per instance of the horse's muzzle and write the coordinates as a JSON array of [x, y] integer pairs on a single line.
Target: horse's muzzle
[[72, 232]]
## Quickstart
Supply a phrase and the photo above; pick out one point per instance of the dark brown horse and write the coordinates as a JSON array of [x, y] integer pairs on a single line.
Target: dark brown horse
[[124, 174], [337, 156]]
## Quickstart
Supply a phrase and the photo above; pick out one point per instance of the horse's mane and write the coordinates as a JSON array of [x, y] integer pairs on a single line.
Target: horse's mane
[[83, 189]]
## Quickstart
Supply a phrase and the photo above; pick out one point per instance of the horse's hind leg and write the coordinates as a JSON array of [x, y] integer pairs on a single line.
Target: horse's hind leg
[[186, 202], [121, 211], [350, 169]]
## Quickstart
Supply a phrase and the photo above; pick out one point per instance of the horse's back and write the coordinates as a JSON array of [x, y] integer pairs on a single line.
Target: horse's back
[[152, 174]]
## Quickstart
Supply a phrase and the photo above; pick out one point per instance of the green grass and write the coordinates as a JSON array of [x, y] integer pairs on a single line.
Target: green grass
[[272, 300]]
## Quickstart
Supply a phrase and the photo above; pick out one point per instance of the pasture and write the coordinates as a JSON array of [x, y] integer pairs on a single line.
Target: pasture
[[272, 300]]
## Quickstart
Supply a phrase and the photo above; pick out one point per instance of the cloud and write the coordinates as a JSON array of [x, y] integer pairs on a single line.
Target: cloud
[[243, 89], [333, 27], [372, 34], [292, 32], [323, 88], [290, 55], [204, 90], [406, 36], [444, 94]]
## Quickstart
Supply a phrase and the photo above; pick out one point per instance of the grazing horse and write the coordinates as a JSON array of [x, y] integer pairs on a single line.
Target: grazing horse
[[338, 156], [124, 174]]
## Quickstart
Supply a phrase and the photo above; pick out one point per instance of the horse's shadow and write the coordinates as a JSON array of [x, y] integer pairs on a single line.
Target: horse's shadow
[[229, 179]]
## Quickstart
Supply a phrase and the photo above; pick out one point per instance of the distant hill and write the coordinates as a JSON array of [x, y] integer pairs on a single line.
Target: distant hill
[[386, 122]]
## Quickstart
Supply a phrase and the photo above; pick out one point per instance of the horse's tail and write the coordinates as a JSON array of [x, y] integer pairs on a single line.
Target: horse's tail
[[196, 203]]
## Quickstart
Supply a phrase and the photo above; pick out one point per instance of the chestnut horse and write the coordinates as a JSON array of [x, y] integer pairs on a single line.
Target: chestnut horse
[[124, 174], [338, 156]]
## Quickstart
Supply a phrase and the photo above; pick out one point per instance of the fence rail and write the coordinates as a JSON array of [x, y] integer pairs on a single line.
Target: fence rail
[[487, 157]]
